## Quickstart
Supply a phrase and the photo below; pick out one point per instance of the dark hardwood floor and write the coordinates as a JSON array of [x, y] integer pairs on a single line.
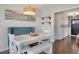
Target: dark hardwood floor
[[67, 45]]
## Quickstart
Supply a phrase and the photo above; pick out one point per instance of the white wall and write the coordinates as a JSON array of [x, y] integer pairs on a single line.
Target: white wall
[[4, 24], [48, 12], [61, 19]]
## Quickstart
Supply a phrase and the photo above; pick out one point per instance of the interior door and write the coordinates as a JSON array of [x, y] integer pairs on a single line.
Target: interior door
[[75, 26]]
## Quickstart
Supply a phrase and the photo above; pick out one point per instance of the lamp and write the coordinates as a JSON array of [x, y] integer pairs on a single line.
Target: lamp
[[73, 14], [29, 10]]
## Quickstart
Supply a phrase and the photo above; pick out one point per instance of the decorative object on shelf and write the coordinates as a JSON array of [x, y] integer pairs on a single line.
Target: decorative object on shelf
[[12, 15], [29, 10], [46, 17], [46, 20]]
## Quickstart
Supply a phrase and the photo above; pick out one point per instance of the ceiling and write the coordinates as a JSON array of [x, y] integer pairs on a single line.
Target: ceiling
[[39, 7]]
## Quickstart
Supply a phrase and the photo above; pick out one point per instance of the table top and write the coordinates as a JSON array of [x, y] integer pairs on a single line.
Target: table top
[[31, 37]]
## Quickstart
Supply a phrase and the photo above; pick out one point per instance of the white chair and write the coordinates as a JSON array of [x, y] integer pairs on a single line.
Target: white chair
[[12, 47], [24, 48]]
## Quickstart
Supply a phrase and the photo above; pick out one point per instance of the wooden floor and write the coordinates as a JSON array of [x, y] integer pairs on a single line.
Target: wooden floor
[[67, 45]]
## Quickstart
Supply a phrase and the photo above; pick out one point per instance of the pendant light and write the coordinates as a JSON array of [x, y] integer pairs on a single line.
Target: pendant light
[[29, 10]]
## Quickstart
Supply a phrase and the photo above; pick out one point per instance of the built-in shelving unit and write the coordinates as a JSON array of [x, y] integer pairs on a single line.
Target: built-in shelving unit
[[46, 20]]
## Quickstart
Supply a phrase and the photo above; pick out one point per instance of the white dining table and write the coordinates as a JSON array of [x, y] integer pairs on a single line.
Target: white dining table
[[29, 39]]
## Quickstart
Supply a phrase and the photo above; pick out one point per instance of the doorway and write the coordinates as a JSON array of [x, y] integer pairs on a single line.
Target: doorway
[[75, 26]]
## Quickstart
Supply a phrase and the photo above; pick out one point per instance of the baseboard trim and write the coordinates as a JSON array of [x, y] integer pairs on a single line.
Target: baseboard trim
[[4, 49], [73, 35], [59, 38]]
